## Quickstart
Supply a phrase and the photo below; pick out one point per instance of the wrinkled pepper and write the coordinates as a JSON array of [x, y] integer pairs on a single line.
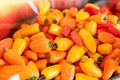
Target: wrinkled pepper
[[62, 44], [19, 45], [50, 72], [88, 40], [29, 30], [44, 8], [75, 54], [82, 76], [88, 66], [55, 29]]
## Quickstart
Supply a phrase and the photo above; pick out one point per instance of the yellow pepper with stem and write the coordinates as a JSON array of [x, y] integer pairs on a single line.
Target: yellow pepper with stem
[[62, 44], [88, 40], [34, 67], [91, 27], [50, 72], [89, 67], [99, 19], [82, 76], [19, 45], [96, 56], [55, 29], [44, 8], [29, 30], [75, 54]]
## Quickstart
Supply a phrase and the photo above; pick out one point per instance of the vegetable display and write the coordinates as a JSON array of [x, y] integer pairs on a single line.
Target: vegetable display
[[70, 44]]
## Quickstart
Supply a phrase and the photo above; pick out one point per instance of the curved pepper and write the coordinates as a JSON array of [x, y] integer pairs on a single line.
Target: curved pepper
[[75, 53], [19, 45], [50, 72], [88, 66], [62, 44], [88, 40], [82, 76]]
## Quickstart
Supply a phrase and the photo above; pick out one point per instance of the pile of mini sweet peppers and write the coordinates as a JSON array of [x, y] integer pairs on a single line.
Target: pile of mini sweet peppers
[[70, 44]]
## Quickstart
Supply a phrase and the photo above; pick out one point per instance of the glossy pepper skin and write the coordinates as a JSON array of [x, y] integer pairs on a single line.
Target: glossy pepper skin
[[51, 72], [88, 40], [19, 45], [63, 44], [44, 8], [82, 76], [55, 29], [29, 30], [88, 66], [100, 18], [75, 54]]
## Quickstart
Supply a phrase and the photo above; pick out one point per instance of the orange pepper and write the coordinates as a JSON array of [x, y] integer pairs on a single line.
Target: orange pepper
[[67, 71], [30, 55], [5, 45], [13, 58], [56, 56], [110, 67], [40, 45]]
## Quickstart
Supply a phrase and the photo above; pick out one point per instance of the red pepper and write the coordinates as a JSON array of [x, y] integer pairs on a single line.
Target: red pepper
[[114, 31], [91, 11], [44, 29], [50, 36], [66, 31], [106, 25], [102, 29], [76, 38], [104, 9]]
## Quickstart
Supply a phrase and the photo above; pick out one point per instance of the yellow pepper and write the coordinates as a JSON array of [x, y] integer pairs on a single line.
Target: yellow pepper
[[88, 66], [112, 18], [91, 27], [29, 30], [50, 72], [44, 8], [105, 48], [75, 53], [117, 26], [82, 16], [88, 40], [96, 56], [19, 45], [55, 29], [82, 76], [92, 5], [34, 67], [62, 44], [24, 25], [99, 19]]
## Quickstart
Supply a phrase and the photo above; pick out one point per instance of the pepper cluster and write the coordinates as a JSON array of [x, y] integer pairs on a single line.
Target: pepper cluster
[[64, 45]]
